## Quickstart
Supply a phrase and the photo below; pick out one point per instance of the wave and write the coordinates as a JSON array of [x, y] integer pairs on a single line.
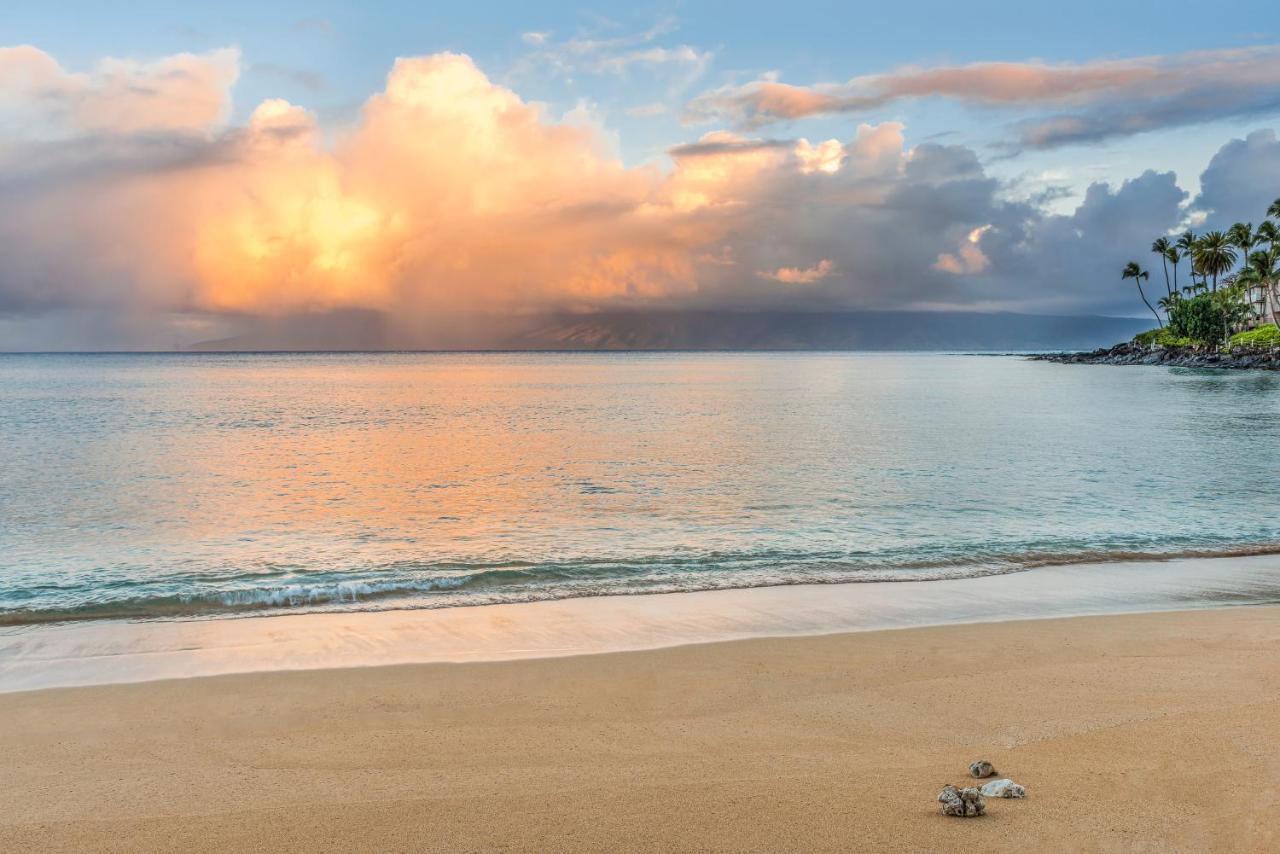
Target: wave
[[451, 584]]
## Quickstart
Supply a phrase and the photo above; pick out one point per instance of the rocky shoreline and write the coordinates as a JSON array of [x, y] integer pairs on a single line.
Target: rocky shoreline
[[1182, 357]]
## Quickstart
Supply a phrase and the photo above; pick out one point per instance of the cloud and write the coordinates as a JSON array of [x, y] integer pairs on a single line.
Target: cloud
[[1075, 258], [452, 196], [681, 55], [1241, 181], [800, 275], [968, 258], [453, 193], [617, 55], [823, 157], [724, 142], [1088, 102], [183, 92]]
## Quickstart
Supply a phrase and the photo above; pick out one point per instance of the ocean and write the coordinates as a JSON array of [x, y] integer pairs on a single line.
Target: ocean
[[187, 486]]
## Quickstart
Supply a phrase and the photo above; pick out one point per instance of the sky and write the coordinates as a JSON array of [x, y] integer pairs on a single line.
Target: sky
[[172, 172]]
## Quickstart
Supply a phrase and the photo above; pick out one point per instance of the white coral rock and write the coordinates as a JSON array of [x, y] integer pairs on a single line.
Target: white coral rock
[[1003, 789]]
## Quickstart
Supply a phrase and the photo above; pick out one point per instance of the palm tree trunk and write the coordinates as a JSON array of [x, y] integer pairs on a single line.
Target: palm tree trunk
[[1153, 311], [1164, 262]]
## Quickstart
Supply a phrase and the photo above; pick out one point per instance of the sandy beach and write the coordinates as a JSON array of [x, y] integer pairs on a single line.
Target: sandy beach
[[1141, 732]]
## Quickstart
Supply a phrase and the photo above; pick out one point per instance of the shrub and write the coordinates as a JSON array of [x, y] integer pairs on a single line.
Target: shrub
[[1265, 336], [1161, 337], [1206, 318]]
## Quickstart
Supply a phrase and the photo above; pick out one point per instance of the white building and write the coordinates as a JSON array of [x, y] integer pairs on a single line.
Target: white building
[[1263, 303]]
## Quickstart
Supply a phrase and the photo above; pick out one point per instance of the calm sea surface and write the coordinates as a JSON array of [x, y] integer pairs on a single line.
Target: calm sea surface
[[189, 485]]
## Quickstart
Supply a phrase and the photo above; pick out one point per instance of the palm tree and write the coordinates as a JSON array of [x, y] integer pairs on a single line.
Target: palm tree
[[1241, 234], [1169, 303], [1161, 247], [1174, 257], [1214, 255], [1187, 243], [1197, 269], [1248, 281], [1269, 232], [1262, 270], [1273, 212], [1133, 271]]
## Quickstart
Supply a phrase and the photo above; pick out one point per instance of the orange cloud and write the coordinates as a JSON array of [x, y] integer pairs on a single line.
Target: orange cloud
[[968, 258], [824, 157], [450, 195], [1106, 98], [186, 91], [801, 275]]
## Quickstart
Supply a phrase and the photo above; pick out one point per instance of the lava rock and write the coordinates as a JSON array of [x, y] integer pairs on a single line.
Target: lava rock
[[1240, 358], [981, 768], [964, 803]]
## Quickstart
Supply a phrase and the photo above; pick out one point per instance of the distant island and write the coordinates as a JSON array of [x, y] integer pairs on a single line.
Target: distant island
[[1224, 318], [692, 330]]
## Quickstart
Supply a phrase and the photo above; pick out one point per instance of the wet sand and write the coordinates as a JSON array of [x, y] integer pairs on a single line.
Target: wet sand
[[1139, 732], [99, 652]]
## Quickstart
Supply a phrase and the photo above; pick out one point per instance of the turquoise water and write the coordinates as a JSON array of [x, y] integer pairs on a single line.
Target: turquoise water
[[192, 485]]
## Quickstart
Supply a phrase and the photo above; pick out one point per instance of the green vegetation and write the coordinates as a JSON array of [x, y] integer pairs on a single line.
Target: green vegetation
[[1207, 318], [1221, 299], [1260, 338], [1161, 337]]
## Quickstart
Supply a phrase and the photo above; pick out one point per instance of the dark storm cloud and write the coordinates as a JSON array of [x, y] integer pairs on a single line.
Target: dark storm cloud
[[706, 148], [1241, 181]]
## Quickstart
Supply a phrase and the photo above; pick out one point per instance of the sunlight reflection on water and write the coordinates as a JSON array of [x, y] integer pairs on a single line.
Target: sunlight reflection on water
[[172, 485]]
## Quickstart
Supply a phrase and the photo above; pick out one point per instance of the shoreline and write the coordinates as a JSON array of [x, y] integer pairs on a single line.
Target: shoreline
[[1137, 730], [404, 600], [108, 652], [1128, 353]]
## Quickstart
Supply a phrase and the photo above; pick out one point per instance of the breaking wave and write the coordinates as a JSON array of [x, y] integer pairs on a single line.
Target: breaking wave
[[442, 585]]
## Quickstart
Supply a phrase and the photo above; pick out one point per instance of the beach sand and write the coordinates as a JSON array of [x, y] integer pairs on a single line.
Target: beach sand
[[1147, 732]]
